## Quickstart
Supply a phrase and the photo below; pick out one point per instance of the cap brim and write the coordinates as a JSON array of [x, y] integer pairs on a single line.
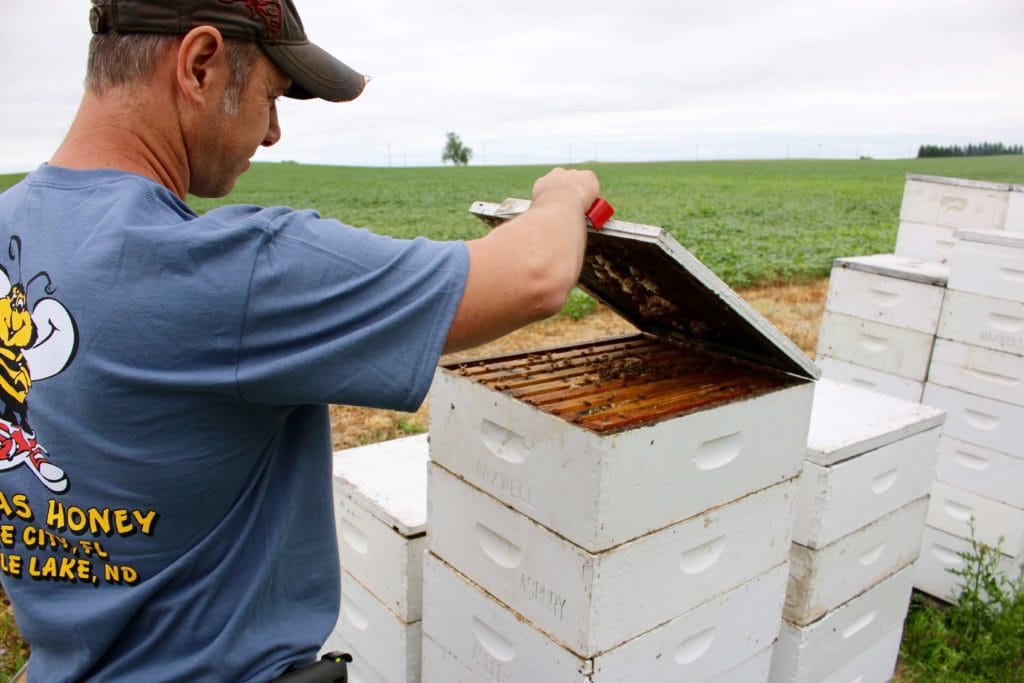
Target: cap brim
[[315, 72]]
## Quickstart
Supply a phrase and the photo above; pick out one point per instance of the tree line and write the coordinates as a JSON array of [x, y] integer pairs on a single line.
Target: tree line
[[983, 149]]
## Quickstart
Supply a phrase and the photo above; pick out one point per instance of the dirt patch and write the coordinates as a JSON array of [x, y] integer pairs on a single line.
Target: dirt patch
[[795, 309]]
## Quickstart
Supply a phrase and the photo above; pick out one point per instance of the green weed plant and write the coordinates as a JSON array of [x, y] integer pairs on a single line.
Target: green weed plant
[[979, 637], [579, 304]]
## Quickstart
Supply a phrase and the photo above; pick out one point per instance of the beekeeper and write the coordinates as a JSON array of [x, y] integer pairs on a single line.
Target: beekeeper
[[166, 514]]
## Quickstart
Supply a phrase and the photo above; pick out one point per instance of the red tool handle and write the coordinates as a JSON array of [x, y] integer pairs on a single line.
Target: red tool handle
[[599, 213]]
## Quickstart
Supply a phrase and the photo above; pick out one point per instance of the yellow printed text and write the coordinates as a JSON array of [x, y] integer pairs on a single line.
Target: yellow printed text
[[69, 569], [10, 564], [15, 506], [100, 521]]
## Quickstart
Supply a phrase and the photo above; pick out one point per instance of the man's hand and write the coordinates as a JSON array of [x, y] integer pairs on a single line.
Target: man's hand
[[523, 270], [575, 189]]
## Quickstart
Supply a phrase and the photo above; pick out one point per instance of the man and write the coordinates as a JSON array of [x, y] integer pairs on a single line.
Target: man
[[168, 514]]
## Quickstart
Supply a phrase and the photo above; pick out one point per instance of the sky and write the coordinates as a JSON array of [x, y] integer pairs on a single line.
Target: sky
[[570, 81]]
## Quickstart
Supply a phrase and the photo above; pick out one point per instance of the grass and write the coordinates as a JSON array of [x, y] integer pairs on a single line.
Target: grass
[[979, 638], [749, 221], [13, 650], [752, 222]]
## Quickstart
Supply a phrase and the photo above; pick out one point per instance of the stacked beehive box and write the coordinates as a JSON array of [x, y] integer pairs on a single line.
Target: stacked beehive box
[[934, 208], [879, 323], [971, 368], [618, 510], [860, 515], [977, 375], [380, 505]]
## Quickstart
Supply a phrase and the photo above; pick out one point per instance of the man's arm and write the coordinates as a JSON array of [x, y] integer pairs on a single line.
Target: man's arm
[[523, 270]]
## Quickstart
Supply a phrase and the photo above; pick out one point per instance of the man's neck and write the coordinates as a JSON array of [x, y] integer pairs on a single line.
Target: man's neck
[[120, 131]]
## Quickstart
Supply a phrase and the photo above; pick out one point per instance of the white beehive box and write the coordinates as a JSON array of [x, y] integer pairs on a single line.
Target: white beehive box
[[750, 671], [811, 653], [890, 349], [953, 510], [875, 665], [388, 646], [496, 644], [848, 421], [954, 202], [837, 500], [441, 665], [867, 455], [1015, 209], [982, 471], [988, 263], [983, 321], [870, 379], [708, 404], [926, 242], [889, 289], [986, 422], [592, 603], [380, 507], [821, 580], [942, 552], [979, 371]]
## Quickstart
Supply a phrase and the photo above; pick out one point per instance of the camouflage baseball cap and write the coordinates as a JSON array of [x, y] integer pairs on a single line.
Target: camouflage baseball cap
[[273, 24]]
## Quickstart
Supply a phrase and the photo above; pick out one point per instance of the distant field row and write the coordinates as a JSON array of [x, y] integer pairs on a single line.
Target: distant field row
[[749, 221]]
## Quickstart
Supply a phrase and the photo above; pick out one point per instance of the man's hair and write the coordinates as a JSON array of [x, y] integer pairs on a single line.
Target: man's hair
[[122, 59]]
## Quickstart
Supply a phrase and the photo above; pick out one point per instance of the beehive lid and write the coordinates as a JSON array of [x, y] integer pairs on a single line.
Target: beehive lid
[[847, 421], [388, 480], [1003, 238], [960, 182], [651, 280], [901, 267]]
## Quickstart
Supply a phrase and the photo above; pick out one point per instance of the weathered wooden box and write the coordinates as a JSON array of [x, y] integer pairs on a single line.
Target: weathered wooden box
[[887, 348], [955, 511], [607, 441], [886, 288], [463, 624], [870, 379], [942, 552], [823, 579], [976, 370], [1015, 209], [441, 665], [380, 507], [986, 422], [590, 602], [811, 653], [867, 455], [874, 665], [849, 421], [990, 263], [384, 647], [988, 473], [956, 203], [983, 321], [924, 241], [837, 500]]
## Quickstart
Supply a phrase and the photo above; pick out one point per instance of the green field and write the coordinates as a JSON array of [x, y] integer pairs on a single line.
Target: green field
[[749, 221]]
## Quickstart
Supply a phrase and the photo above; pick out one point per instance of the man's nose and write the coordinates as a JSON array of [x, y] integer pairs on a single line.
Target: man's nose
[[273, 129]]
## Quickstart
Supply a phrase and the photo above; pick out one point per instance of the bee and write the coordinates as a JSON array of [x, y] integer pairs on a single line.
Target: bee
[[33, 346]]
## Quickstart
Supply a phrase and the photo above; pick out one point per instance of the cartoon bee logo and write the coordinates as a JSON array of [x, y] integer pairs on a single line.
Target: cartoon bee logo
[[33, 347]]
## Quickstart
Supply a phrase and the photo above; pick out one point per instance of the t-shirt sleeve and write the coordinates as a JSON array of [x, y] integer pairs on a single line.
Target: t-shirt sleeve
[[337, 314]]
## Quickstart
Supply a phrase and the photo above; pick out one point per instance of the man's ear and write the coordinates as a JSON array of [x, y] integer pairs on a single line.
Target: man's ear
[[201, 68]]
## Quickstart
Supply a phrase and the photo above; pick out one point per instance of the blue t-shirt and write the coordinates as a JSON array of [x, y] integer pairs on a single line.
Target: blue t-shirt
[[165, 469]]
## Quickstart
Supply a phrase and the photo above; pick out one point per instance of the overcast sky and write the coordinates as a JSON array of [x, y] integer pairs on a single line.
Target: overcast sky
[[557, 81]]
